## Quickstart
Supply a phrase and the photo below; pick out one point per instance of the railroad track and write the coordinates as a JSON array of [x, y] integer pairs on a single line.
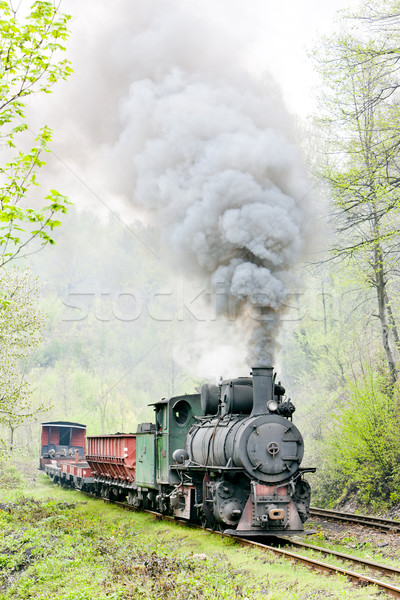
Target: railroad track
[[359, 578], [375, 522]]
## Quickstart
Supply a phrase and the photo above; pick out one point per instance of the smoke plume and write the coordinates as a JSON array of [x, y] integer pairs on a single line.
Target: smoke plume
[[206, 151]]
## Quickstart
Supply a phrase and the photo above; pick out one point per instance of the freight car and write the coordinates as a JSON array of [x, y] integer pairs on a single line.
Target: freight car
[[228, 457], [60, 442]]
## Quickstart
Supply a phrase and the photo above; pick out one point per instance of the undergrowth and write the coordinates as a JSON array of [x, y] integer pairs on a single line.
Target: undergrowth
[[61, 544]]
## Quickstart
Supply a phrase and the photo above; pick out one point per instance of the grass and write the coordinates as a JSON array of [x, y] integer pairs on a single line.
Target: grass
[[60, 544]]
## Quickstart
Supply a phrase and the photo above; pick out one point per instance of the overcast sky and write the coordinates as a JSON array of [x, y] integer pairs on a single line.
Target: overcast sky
[[278, 35], [275, 36]]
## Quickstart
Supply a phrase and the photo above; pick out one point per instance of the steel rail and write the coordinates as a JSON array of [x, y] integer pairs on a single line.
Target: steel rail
[[368, 521], [363, 562], [322, 566], [309, 562]]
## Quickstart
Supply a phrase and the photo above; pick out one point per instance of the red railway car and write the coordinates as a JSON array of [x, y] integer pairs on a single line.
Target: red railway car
[[60, 442], [76, 475], [112, 459]]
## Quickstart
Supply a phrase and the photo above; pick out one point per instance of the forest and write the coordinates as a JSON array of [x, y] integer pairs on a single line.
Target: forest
[[94, 327]]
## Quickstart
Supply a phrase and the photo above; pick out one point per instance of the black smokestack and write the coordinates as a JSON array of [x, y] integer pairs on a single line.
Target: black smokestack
[[263, 382]]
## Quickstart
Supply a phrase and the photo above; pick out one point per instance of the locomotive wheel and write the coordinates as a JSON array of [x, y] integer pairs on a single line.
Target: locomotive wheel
[[202, 517]]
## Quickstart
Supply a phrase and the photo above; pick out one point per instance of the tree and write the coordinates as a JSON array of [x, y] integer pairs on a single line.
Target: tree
[[20, 325], [379, 19], [30, 63], [351, 348], [361, 124]]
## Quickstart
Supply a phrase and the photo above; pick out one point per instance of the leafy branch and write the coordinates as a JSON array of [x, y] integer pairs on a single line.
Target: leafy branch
[[30, 63]]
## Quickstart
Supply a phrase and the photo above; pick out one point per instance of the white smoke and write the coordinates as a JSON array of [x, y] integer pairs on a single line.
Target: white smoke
[[206, 151]]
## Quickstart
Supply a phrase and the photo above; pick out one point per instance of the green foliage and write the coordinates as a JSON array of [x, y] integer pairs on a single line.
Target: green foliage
[[328, 345], [29, 64], [362, 446], [10, 476], [343, 359], [360, 126], [32, 42]]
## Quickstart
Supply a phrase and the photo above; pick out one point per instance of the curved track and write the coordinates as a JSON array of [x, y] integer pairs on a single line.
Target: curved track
[[375, 522], [362, 562]]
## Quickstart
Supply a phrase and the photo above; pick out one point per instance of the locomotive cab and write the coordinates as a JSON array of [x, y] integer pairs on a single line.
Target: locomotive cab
[[156, 482], [174, 417]]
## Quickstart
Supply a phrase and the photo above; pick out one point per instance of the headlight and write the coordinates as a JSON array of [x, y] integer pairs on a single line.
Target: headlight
[[272, 405]]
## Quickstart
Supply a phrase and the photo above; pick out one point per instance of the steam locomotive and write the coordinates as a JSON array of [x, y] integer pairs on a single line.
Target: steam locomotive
[[228, 457]]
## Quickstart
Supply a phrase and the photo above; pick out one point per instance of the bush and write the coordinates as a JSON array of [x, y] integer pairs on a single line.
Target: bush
[[363, 445], [10, 477]]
